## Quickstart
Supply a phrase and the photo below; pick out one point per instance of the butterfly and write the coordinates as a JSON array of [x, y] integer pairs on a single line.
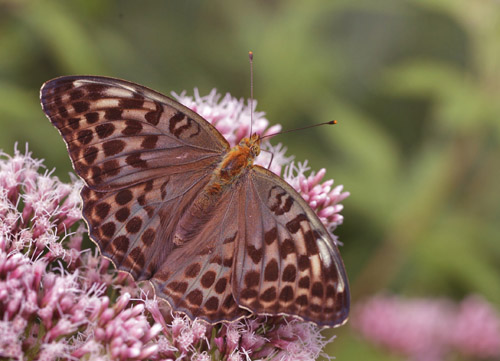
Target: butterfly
[[167, 199]]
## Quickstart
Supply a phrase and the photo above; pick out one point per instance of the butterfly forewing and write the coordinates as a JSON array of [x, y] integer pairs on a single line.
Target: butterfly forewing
[[119, 133], [143, 157], [149, 164]]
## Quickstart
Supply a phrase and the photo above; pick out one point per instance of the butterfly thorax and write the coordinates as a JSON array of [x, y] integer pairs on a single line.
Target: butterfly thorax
[[234, 165], [236, 161]]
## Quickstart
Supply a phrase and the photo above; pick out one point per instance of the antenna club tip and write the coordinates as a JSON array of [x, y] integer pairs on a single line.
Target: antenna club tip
[[250, 55], [333, 122]]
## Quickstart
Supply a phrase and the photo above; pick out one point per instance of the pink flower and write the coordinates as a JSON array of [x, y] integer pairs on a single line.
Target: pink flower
[[54, 351], [229, 115], [294, 340], [36, 214], [232, 119], [323, 200]]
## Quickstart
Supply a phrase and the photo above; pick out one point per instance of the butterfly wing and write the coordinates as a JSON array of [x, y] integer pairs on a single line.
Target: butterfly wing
[[263, 251], [143, 157], [196, 278], [119, 133], [286, 262]]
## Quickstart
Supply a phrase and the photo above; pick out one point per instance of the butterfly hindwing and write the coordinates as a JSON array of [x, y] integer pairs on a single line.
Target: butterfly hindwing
[[133, 225], [286, 263], [197, 277]]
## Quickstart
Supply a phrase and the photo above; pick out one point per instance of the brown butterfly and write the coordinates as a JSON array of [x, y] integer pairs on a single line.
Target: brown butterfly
[[168, 200]]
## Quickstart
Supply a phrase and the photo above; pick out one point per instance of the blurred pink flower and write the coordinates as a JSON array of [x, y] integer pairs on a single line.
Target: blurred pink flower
[[430, 329], [476, 330]]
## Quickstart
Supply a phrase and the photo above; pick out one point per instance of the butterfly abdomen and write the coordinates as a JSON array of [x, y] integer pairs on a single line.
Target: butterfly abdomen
[[196, 216]]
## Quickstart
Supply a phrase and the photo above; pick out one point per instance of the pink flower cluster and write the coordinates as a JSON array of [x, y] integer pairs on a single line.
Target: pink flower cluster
[[254, 338], [229, 115], [53, 302], [323, 200], [233, 119], [430, 330]]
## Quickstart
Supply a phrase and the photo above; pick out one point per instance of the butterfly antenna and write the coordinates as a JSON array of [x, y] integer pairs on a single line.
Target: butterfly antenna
[[331, 122], [250, 57]]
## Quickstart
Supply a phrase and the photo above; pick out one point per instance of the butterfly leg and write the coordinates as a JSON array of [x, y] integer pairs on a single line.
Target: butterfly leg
[[272, 157]]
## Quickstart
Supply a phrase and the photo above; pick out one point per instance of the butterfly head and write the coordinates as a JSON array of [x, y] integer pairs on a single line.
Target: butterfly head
[[252, 143]]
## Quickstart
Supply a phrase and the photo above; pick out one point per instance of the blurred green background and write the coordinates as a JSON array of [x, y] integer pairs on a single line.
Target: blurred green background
[[415, 86]]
